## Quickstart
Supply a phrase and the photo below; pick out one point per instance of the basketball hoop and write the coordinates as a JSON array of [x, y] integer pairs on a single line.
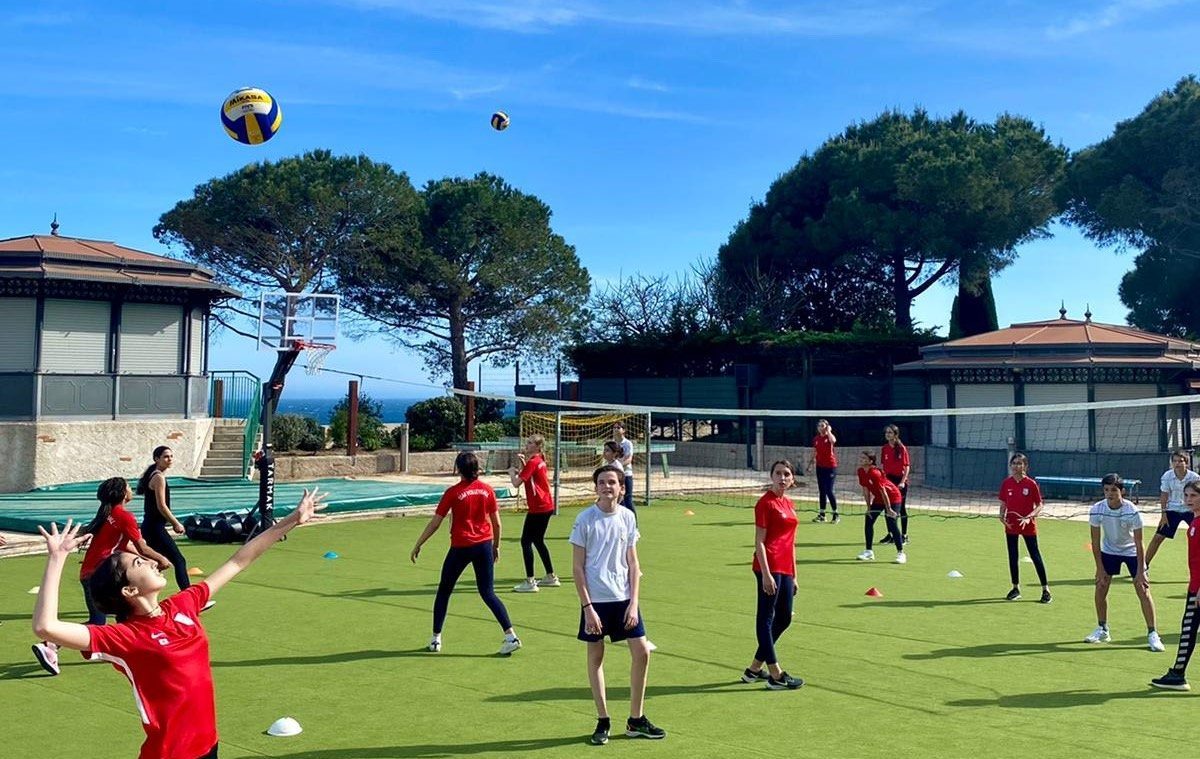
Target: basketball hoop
[[315, 355]]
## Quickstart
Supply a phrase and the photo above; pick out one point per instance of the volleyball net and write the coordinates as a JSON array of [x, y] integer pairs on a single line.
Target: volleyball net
[[958, 457]]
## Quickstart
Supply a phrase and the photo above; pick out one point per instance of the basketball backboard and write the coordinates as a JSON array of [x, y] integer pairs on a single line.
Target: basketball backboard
[[288, 319]]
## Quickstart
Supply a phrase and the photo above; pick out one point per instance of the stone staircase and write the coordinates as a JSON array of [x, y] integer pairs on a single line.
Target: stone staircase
[[224, 458]]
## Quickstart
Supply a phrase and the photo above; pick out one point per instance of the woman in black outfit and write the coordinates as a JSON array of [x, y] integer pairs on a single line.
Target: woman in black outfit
[[157, 514]]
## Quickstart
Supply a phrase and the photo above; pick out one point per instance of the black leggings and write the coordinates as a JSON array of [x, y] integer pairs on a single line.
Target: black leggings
[[95, 616], [903, 507], [826, 476], [893, 528], [481, 558], [533, 535], [160, 540], [1187, 634], [774, 615], [1031, 545]]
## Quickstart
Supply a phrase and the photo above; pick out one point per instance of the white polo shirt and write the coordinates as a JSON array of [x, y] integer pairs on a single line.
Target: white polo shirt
[[1173, 486]]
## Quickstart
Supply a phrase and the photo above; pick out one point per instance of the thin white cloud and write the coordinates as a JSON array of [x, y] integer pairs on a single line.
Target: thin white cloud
[[45, 18], [638, 83], [1106, 17]]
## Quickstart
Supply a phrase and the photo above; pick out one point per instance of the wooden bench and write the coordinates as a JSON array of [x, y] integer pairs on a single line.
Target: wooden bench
[[1086, 487]]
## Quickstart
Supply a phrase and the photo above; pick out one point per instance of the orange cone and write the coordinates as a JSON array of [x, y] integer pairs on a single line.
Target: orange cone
[[874, 593], [1087, 547], [195, 571]]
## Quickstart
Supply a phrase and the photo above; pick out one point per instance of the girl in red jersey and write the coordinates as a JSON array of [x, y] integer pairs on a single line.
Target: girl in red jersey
[[775, 573], [1176, 677], [824, 460], [893, 459], [474, 542], [541, 507], [882, 497], [160, 645], [1020, 504], [113, 529]]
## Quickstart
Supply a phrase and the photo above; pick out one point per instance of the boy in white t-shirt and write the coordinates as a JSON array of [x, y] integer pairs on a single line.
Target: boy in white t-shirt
[[608, 581], [1170, 498], [1117, 541]]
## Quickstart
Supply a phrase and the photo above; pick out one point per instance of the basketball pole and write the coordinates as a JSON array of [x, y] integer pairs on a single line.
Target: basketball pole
[[265, 460]]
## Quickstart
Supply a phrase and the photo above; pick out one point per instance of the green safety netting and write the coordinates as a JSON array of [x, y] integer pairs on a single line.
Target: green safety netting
[[23, 512]]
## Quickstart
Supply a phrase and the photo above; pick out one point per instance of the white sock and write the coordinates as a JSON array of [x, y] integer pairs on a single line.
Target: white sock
[[511, 636], [437, 637]]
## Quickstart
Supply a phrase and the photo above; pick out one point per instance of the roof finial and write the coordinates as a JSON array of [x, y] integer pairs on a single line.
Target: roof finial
[[1062, 310], [54, 226], [1087, 315]]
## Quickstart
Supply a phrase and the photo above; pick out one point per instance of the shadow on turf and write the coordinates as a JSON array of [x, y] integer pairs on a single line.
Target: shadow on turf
[[23, 671], [342, 657], [438, 750], [619, 693], [1016, 649], [1066, 699]]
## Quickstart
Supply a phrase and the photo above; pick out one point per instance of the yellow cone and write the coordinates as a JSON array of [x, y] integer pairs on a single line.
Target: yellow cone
[[194, 571], [689, 513]]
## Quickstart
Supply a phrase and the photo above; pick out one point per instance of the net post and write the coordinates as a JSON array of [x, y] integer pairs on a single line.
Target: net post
[[649, 468], [352, 418], [557, 452], [470, 414], [760, 448]]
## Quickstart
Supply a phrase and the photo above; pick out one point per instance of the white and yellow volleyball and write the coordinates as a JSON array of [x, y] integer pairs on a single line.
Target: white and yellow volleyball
[[251, 116]]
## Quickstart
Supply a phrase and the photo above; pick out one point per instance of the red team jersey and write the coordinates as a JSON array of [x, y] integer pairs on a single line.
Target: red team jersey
[[117, 532], [471, 503], [166, 660], [537, 485], [1020, 499], [777, 516], [878, 485], [893, 459], [1193, 535], [823, 454]]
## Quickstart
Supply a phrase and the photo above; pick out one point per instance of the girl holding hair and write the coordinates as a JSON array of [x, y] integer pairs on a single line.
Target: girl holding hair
[[474, 542], [112, 530], [824, 460], [161, 646], [1020, 504], [538, 497], [882, 497], [157, 513], [893, 458], [775, 572]]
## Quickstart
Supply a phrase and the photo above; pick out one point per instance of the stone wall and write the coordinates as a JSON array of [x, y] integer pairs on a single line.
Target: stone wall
[[54, 452]]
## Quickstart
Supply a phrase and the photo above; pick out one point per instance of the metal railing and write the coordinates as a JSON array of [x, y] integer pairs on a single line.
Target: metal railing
[[240, 398]]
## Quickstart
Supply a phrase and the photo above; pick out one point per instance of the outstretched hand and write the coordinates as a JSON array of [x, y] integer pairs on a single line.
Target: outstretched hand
[[310, 504], [61, 544]]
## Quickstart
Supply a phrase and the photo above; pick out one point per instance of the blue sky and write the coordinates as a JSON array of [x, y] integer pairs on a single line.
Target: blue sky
[[648, 127]]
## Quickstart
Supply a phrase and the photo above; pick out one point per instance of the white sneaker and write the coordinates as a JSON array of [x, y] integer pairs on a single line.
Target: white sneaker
[[526, 586], [47, 656], [1099, 635], [866, 556], [1155, 642], [207, 606], [901, 558], [549, 581], [509, 645], [435, 646]]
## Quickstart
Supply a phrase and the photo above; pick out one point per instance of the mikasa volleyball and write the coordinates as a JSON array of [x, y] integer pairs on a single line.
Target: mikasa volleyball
[[251, 116]]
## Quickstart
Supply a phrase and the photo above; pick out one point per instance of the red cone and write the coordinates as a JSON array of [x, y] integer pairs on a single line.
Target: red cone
[[874, 593]]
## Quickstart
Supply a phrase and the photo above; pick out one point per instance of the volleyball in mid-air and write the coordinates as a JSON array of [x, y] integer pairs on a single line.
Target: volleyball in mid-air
[[251, 116], [500, 121]]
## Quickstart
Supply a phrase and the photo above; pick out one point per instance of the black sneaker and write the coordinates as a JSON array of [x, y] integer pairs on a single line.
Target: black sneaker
[[1171, 681], [819, 518], [600, 736], [1045, 599], [1013, 594], [785, 682], [836, 519], [643, 728], [750, 676], [887, 539]]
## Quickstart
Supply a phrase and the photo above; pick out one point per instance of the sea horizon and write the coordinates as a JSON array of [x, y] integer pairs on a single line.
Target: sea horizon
[[321, 409]]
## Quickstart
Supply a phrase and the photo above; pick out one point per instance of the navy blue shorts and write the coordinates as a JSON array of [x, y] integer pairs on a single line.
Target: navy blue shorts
[[612, 622], [1113, 563], [1168, 529]]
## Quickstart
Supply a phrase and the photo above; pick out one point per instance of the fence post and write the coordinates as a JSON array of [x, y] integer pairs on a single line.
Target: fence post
[[759, 445], [352, 419], [403, 446], [649, 467], [470, 413], [218, 399]]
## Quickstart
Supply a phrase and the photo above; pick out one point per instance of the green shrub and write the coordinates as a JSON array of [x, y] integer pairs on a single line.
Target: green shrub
[[372, 435], [443, 420], [295, 432], [419, 443], [512, 426], [489, 431]]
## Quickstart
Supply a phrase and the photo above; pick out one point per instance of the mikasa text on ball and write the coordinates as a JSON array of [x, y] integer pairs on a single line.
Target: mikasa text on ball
[[251, 116]]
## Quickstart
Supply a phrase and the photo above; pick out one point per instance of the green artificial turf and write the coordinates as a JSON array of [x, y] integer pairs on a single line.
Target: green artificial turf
[[937, 667]]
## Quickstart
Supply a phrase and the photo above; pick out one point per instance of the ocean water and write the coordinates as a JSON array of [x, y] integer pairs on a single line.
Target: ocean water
[[321, 409]]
